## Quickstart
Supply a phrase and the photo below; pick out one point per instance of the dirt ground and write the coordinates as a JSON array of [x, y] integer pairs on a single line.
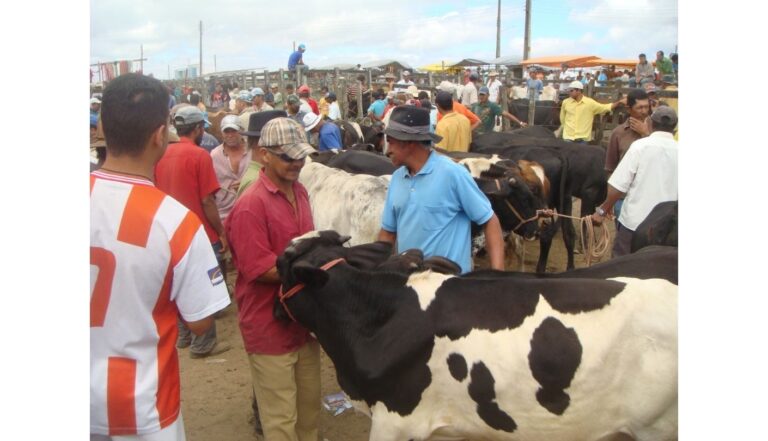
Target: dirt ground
[[216, 393]]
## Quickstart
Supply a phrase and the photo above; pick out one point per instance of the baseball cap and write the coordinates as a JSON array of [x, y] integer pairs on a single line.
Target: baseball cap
[[664, 115], [303, 89], [302, 46], [95, 101], [405, 72], [484, 90], [293, 99], [446, 86], [230, 122], [310, 121], [257, 91], [331, 96], [650, 88], [576, 85], [273, 85], [189, 115], [245, 95], [473, 76], [286, 135], [493, 73]]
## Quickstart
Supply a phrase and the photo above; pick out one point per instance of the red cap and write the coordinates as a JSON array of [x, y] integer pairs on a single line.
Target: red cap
[[303, 88]]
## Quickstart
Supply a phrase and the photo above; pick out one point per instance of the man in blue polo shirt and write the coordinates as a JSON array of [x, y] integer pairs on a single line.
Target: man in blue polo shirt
[[297, 58], [431, 200]]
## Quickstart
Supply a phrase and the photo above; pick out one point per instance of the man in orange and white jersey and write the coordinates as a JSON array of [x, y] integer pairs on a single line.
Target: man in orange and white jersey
[[151, 261]]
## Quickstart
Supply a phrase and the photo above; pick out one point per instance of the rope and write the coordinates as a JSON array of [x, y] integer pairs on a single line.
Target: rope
[[594, 246]]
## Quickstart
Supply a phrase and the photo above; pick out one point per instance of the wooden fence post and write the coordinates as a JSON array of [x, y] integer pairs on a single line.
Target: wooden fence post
[[342, 98], [505, 124], [531, 106], [360, 100], [266, 80], [281, 85]]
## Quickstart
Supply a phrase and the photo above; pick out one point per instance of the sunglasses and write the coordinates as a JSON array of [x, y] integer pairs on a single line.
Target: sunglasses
[[284, 157]]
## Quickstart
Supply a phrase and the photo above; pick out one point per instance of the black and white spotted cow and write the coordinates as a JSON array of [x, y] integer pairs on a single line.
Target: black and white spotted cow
[[490, 355]]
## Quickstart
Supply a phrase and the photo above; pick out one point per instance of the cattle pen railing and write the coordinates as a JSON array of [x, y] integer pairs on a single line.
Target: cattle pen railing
[[340, 80]]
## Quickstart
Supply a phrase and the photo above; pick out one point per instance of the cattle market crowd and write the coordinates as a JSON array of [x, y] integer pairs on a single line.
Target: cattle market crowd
[[183, 193]]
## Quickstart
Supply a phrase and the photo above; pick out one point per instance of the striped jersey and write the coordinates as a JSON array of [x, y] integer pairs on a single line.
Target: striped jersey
[[151, 261]]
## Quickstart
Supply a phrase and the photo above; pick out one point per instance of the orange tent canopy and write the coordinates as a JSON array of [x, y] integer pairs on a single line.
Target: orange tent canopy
[[626, 63], [557, 61]]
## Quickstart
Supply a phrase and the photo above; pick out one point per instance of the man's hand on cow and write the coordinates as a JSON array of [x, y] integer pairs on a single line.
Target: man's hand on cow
[[523, 123], [639, 126]]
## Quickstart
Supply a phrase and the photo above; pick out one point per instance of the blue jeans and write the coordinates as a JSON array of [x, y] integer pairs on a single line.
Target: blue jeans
[[617, 211], [201, 344]]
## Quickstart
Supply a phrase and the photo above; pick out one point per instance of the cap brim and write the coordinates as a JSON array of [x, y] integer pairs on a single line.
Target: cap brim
[[298, 151], [253, 133], [223, 128]]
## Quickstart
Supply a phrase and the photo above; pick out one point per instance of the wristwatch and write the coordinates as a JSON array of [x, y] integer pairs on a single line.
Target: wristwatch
[[600, 211]]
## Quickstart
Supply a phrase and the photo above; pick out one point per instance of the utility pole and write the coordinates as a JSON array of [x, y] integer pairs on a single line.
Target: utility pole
[[201, 49], [498, 31], [141, 62], [169, 71], [527, 41], [214, 64]]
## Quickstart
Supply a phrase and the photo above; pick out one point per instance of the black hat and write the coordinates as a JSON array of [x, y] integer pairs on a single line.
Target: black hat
[[258, 119], [410, 123]]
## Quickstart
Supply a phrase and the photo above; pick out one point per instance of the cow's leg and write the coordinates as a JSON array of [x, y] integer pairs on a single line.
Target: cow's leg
[[381, 426], [569, 232], [545, 243]]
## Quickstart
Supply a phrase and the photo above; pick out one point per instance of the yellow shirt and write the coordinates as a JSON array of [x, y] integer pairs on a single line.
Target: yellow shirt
[[577, 116], [456, 133], [322, 106]]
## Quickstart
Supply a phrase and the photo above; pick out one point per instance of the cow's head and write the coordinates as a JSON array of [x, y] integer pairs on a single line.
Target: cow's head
[[511, 197], [304, 257]]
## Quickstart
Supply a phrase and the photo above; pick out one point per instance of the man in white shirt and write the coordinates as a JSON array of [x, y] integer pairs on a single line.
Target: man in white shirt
[[493, 86], [334, 113], [469, 94], [645, 177]]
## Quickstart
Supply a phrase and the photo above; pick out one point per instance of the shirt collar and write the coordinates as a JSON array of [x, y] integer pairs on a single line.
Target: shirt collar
[[268, 184], [429, 166], [660, 134]]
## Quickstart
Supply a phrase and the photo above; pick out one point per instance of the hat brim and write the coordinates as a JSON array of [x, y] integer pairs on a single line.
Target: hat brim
[[223, 128], [253, 133], [402, 136], [303, 151]]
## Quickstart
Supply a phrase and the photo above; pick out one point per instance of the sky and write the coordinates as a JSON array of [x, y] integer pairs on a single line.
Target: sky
[[254, 34]]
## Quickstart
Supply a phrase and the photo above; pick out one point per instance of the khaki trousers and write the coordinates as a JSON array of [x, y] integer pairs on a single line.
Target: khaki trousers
[[288, 393]]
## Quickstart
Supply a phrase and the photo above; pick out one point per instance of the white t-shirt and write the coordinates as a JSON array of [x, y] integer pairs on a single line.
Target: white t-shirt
[[469, 94], [334, 112], [648, 175], [493, 90], [151, 261]]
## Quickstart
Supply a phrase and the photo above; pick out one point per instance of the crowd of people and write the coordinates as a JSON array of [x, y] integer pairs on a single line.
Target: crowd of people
[[172, 206]]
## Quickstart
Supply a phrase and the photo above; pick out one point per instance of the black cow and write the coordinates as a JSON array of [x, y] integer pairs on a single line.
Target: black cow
[[349, 135], [658, 228], [493, 355], [547, 113], [584, 174], [357, 162]]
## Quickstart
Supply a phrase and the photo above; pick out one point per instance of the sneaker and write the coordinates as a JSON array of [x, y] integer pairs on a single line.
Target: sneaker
[[217, 349]]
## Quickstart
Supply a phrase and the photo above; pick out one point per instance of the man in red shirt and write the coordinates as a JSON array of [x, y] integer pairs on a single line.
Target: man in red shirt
[[186, 173], [284, 357], [304, 95]]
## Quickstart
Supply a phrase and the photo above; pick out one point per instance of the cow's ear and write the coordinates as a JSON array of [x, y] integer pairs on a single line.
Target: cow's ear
[[344, 239], [310, 275]]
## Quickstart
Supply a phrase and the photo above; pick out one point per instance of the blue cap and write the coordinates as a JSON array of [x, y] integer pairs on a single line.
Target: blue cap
[[257, 91], [484, 90], [301, 46]]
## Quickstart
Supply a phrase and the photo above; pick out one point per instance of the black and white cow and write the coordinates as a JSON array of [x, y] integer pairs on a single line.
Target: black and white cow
[[658, 228], [490, 355]]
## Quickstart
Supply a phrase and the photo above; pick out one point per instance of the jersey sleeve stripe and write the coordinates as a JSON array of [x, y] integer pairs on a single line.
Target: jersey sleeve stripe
[[121, 401], [183, 236], [140, 209]]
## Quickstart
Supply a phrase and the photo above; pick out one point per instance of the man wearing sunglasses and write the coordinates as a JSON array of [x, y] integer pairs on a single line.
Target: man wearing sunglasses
[[284, 358]]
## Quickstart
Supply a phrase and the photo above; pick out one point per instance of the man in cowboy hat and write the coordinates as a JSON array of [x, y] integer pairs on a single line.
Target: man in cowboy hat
[[432, 201]]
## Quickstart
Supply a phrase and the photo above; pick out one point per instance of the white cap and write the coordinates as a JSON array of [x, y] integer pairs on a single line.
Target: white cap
[[405, 72], [95, 101], [446, 86], [310, 121], [576, 85], [231, 122]]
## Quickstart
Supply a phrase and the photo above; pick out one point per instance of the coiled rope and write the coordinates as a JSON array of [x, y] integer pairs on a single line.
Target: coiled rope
[[594, 246]]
